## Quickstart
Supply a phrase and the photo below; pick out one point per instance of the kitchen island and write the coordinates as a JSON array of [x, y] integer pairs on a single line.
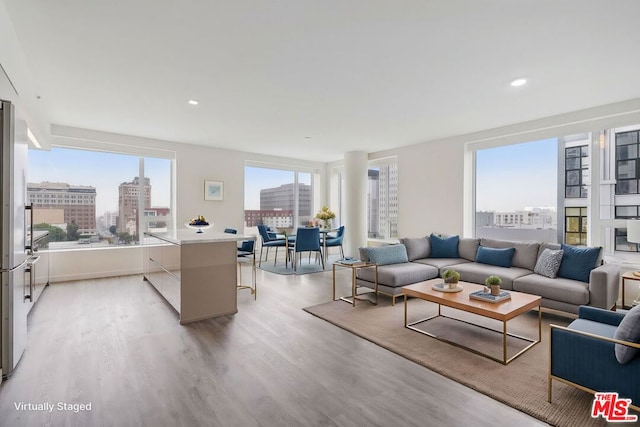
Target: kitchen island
[[195, 272]]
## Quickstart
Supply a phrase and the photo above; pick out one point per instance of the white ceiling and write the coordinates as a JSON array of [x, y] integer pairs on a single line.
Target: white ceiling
[[314, 79]]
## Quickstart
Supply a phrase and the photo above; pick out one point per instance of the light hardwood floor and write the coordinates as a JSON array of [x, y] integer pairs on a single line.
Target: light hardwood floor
[[116, 344]]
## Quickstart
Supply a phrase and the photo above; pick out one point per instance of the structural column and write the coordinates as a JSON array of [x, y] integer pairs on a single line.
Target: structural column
[[355, 209]]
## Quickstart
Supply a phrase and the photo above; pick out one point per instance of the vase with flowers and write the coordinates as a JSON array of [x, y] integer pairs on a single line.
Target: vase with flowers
[[325, 215]]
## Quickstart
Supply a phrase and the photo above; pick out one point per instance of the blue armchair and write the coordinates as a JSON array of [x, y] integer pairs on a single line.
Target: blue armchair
[[583, 355]]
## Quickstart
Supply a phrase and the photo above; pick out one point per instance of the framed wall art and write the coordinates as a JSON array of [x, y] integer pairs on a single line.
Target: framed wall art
[[213, 190]]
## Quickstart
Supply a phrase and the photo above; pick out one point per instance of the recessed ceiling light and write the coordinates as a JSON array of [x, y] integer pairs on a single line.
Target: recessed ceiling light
[[193, 102], [518, 82]]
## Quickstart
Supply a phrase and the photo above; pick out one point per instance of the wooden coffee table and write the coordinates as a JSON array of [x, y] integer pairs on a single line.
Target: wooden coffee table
[[502, 311]]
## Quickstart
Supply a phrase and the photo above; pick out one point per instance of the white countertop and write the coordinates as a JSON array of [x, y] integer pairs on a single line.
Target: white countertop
[[183, 236]]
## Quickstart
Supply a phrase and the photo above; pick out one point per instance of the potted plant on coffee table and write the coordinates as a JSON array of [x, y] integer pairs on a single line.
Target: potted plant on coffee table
[[451, 278], [493, 282]]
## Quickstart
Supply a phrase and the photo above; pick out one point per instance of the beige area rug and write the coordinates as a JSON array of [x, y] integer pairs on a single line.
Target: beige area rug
[[522, 384]]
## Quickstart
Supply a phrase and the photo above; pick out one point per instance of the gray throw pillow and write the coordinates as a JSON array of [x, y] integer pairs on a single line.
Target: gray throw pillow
[[549, 263], [628, 330]]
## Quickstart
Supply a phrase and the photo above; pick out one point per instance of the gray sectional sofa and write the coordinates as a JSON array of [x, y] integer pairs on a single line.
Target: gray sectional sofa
[[599, 286]]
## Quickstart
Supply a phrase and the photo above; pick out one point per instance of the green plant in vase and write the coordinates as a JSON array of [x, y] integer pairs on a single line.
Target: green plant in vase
[[451, 278], [493, 283]]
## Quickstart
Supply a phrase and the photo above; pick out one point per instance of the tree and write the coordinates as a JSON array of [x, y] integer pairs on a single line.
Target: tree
[[125, 238], [113, 230], [56, 234], [72, 231]]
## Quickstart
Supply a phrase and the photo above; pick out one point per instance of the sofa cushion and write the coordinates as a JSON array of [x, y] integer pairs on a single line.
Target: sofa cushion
[[395, 275], [468, 247], [577, 263], [417, 247], [477, 273], [444, 247], [493, 256], [526, 253], [592, 327], [558, 289], [549, 263], [387, 254], [441, 263], [628, 330]]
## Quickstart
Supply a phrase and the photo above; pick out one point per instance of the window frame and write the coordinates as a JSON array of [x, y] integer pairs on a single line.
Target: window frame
[[621, 232], [580, 170], [142, 220], [636, 159], [582, 231]]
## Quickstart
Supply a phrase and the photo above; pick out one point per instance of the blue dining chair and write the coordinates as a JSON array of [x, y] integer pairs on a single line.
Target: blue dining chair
[[307, 240], [333, 241], [270, 240], [246, 246]]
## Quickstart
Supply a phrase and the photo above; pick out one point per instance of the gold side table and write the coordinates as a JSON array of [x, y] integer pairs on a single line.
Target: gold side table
[[354, 295], [627, 276]]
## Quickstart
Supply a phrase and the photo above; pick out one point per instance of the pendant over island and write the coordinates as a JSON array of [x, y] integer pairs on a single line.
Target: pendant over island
[[195, 272]]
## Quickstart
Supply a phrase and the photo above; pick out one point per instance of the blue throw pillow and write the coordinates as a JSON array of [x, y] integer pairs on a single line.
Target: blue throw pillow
[[577, 263], [388, 254], [444, 247], [493, 256]]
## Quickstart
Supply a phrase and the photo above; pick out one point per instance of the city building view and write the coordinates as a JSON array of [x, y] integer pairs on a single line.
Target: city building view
[[617, 180], [61, 204], [77, 195], [72, 209], [382, 201]]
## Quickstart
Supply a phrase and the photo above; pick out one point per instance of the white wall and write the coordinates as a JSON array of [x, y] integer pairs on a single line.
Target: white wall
[[430, 181], [91, 263]]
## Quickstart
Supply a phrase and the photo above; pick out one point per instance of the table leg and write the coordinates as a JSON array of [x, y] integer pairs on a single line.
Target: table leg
[[353, 286], [504, 342], [405, 310], [324, 250], [539, 323], [334, 282], [376, 284]]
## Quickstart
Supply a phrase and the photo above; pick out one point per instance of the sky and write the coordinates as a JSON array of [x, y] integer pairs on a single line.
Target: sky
[[512, 177], [508, 178], [104, 171]]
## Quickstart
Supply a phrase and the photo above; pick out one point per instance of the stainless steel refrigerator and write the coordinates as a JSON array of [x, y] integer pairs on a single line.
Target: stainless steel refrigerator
[[16, 295]]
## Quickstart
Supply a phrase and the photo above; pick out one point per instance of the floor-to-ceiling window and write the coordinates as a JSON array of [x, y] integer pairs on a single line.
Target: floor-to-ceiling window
[[94, 198], [278, 198], [516, 191]]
